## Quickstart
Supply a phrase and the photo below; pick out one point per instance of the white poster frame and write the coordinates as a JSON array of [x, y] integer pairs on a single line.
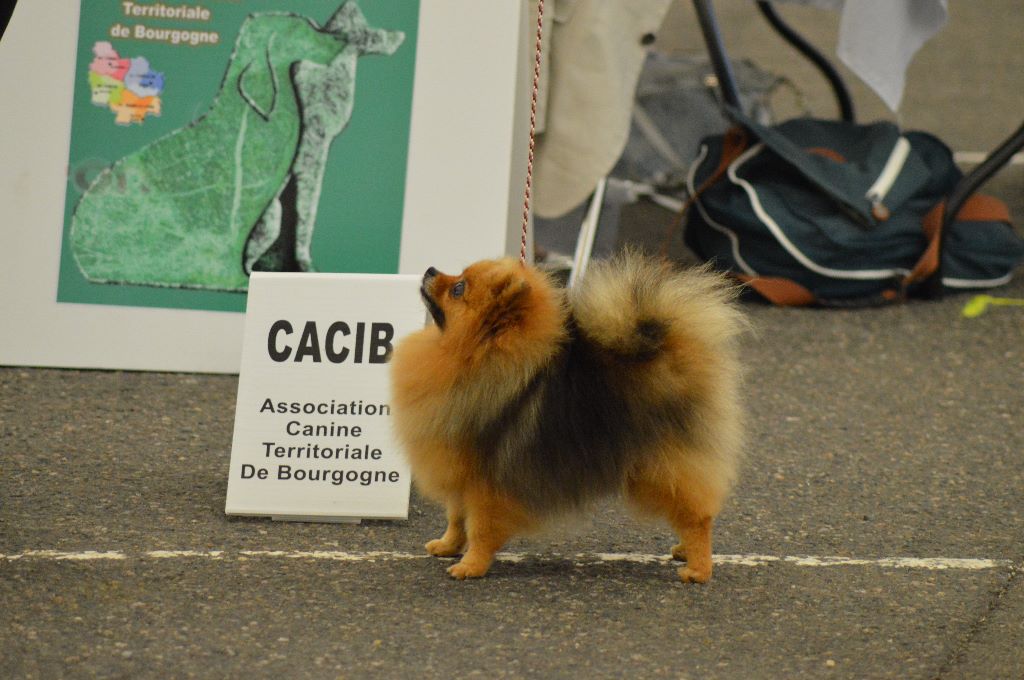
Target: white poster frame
[[466, 166]]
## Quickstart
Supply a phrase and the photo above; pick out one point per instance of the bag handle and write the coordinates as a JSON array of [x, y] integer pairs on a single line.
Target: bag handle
[[734, 143]]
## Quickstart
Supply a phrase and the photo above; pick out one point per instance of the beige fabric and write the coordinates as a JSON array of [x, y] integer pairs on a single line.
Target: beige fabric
[[590, 69]]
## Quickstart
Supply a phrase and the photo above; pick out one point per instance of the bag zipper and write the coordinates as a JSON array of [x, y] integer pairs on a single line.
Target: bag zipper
[[887, 178]]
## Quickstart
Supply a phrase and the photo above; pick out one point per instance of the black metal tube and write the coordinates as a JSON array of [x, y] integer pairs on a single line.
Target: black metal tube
[[842, 94], [5, 17], [971, 182], [716, 50]]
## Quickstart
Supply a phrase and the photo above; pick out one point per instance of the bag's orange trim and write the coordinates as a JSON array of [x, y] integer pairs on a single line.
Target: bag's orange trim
[[983, 208], [734, 144], [779, 291], [825, 152], [977, 208]]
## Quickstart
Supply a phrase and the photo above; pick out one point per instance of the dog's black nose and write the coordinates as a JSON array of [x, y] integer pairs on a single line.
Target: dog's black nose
[[431, 273]]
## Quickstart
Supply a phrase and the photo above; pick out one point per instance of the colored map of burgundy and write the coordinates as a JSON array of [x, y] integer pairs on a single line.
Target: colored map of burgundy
[[127, 86]]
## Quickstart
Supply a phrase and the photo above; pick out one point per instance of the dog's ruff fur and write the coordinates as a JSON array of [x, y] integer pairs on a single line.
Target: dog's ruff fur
[[523, 401]]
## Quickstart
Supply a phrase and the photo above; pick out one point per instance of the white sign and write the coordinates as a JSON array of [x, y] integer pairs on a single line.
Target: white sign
[[313, 437]]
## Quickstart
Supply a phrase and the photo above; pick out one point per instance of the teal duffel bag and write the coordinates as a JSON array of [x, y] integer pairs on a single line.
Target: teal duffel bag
[[832, 213]]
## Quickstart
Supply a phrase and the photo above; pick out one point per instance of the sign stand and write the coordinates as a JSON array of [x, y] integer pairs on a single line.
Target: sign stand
[[313, 438]]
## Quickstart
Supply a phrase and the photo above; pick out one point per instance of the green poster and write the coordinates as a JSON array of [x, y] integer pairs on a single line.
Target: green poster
[[213, 139]]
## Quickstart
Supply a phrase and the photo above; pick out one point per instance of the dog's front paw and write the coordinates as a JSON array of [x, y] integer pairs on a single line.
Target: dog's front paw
[[691, 575], [463, 570], [442, 548], [679, 552]]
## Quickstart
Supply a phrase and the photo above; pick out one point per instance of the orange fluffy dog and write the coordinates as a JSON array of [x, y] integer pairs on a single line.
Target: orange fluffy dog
[[525, 401]]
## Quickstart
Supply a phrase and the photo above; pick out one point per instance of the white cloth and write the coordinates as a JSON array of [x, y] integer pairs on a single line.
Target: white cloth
[[593, 60], [879, 38]]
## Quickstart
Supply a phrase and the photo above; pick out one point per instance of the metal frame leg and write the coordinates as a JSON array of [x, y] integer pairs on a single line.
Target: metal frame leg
[[723, 70], [805, 48], [716, 51]]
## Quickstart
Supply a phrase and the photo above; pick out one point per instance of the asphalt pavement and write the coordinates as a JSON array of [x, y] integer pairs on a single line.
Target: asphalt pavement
[[878, 436]]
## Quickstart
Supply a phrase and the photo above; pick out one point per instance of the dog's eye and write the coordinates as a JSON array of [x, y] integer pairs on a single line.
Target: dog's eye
[[458, 289]]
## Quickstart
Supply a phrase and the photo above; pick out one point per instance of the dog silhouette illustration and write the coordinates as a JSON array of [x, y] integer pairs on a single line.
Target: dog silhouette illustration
[[236, 189]]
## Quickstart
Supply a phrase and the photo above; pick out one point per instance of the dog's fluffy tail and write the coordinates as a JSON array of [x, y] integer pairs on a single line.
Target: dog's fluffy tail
[[634, 306]]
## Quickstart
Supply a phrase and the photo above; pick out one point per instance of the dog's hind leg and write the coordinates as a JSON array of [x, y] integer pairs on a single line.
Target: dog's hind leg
[[454, 537], [694, 546], [491, 520], [683, 497]]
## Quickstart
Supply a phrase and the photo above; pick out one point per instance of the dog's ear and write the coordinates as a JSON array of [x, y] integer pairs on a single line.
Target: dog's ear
[[349, 24], [509, 306], [257, 84]]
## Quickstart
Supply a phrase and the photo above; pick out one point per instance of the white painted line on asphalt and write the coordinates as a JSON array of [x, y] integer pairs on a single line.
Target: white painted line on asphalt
[[58, 555], [976, 157], [580, 559], [166, 554], [934, 563], [336, 555]]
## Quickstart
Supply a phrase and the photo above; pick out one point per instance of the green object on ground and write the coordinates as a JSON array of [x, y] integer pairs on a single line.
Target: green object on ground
[[980, 303], [236, 189]]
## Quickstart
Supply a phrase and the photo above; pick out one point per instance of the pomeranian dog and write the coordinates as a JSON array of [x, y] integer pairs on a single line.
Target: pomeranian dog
[[524, 401]]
